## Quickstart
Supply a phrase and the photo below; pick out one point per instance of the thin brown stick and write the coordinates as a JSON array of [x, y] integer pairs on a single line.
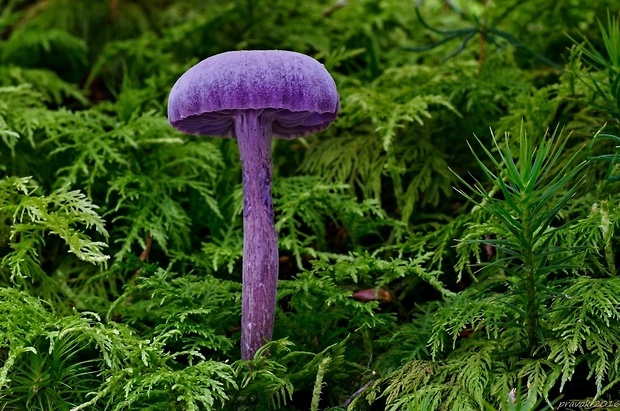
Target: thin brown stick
[[357, 393], [148, 241], [340, 4], [113, 10], [481, 49], [145, 253]]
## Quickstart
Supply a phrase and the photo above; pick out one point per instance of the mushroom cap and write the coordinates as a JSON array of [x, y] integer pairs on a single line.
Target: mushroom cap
[[293, 91]]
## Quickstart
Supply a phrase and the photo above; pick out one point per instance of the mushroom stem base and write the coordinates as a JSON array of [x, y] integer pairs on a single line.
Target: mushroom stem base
[[260, 242]]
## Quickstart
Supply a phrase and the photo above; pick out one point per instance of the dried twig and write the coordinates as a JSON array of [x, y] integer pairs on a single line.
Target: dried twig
[[357, 393], [145, 253], [339, 4]]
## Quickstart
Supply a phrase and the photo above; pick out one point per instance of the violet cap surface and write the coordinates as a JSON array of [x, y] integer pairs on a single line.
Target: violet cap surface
[[294, 91]]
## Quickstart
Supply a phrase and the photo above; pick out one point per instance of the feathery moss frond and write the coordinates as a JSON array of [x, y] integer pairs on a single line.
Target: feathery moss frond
[[62, 213]]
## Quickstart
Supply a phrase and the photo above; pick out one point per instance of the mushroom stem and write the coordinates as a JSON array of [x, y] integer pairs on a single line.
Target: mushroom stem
[[260, 242]]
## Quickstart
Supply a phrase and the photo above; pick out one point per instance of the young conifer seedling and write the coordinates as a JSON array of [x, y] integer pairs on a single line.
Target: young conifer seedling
[[252, 96]]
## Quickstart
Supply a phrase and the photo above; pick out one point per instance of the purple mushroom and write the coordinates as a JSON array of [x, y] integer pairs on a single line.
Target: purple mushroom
[[252, 96]]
